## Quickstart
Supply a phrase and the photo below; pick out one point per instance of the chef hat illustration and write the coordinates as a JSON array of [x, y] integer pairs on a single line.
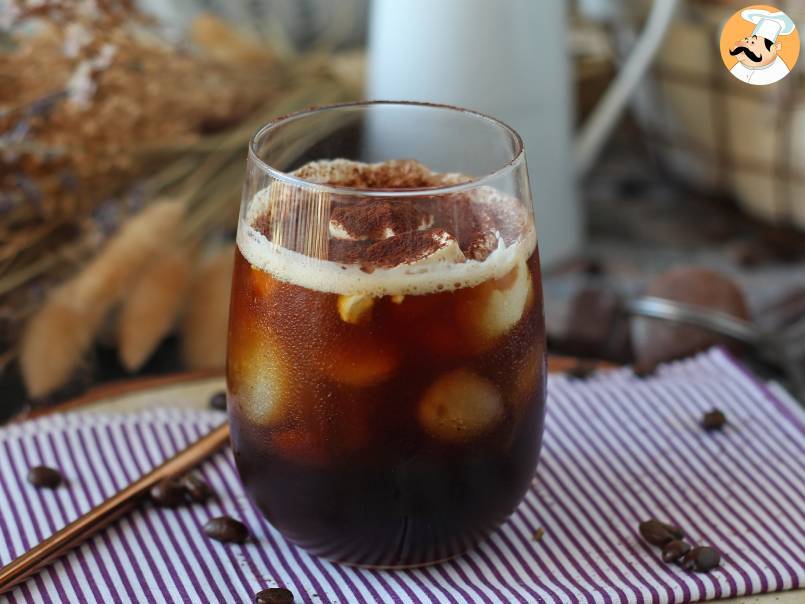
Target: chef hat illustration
[[767, 24]]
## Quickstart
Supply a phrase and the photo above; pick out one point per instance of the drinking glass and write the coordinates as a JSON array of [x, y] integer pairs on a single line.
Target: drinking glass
[[386, 356]]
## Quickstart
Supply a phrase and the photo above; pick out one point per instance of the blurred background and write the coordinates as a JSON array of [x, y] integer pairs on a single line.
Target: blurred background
[[124, 126]]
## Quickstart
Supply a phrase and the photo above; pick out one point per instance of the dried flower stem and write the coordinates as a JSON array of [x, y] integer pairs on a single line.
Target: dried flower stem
[[150, 310], [57, 336], [204, 326], [40, 265]]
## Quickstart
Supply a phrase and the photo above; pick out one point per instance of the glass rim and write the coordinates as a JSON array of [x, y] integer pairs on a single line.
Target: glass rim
[[477, 181]]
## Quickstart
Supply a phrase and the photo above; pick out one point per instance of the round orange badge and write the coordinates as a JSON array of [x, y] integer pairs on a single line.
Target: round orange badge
[[760, 45]]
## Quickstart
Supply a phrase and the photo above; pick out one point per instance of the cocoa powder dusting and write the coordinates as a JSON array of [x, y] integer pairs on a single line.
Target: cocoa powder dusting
[[395, 174], [407, 247], [263, 224], [373, 219], [385, 233], [348, 252], [470, 222]]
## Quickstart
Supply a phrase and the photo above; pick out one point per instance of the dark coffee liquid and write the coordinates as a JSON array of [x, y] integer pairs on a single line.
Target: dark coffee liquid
[[397, 440]]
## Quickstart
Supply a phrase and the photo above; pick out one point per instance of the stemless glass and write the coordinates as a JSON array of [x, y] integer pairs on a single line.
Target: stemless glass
[[386, 362]]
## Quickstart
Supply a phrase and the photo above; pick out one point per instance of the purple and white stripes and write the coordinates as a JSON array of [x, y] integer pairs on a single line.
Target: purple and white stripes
[[617, 450]]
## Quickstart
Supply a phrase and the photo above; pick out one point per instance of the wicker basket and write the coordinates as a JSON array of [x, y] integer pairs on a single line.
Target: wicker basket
[[720, 134]]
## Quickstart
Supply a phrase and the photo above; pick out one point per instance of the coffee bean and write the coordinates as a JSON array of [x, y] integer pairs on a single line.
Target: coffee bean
[[714, 420], [226, 529], [168, 493], [701, 559], [674, 550], [218, 401], [659, 533], [580, 372], [274, 595], [676, 532], [43, 476], [643, 370], [195, 487]]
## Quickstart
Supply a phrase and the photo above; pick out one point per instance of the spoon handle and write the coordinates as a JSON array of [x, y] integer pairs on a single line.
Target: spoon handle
[[109, 510], [698, 316]]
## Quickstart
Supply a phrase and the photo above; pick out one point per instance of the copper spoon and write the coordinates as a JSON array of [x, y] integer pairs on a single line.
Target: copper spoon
[[36, 558]]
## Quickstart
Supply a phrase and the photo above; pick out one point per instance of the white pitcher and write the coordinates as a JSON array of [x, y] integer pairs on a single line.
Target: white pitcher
[[508, 58]]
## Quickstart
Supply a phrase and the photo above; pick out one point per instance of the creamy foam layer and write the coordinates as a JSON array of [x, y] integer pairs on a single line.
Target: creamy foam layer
[[337, 278], [423, 276]]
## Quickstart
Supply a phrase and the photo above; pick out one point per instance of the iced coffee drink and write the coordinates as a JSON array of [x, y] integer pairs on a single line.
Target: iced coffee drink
[[386, 359]]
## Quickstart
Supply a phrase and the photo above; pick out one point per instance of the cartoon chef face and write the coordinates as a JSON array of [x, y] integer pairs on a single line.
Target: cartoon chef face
[[755, 51]]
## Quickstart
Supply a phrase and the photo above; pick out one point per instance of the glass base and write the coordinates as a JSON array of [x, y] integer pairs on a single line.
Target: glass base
[[397, 566]]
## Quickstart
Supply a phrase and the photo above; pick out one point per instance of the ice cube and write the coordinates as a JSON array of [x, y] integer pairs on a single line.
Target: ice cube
[[360, 361], [505, 305], [300, 445], [327, 431], [460, 406], [498, 306], [528, 377], [356, 308], [258, 379], [262, 283]]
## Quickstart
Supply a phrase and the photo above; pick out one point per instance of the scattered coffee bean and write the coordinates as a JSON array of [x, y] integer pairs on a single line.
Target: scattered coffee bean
[[218, 401], [168, 493], [580, 372], [195, 487], [643, 370], [226, 530], [274, 595], [43, 476], [539, 534], [714, 420], [701, 559], [674, 550], [659, 533]]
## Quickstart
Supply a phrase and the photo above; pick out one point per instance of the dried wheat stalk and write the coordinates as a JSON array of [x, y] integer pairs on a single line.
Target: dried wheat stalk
[[102, 99], [55, 340], [204, 326], [156, 122], [149, 312], [58, 335]]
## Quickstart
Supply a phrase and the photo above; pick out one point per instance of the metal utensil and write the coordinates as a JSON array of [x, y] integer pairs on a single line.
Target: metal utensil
[[783, 348], [36, 558]]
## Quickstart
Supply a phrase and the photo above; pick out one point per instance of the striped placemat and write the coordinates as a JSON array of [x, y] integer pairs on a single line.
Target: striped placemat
[[617, 450]]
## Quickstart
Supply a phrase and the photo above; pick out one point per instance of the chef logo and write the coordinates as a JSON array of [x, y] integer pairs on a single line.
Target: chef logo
[[760, 45]]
